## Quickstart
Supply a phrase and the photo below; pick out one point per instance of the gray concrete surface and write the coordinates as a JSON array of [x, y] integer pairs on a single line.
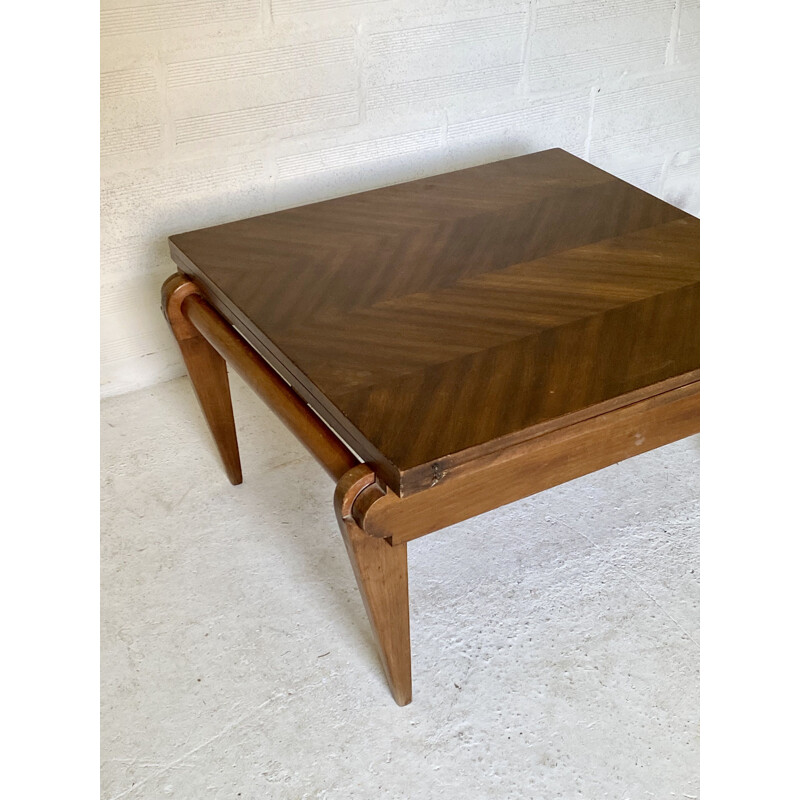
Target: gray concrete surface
[[555, 640]]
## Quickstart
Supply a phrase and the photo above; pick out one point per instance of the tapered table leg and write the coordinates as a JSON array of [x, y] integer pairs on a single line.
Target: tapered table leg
[[207, 372], [381, 571]]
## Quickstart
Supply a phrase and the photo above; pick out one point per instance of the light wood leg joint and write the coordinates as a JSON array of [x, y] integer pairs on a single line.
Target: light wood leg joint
[[207, 372], [381, 571]]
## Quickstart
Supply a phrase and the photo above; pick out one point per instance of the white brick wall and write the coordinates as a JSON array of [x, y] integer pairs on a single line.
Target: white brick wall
[[217, 109]]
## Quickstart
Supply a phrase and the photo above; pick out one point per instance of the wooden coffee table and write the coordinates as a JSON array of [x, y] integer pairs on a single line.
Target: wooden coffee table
[[448, 345]]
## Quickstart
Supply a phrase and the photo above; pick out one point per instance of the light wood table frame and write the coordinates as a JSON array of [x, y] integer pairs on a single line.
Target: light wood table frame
[[377, 520]]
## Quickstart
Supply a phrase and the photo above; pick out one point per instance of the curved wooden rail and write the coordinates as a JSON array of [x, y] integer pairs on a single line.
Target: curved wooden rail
[[207, 342], [201, 330], [315, 435]]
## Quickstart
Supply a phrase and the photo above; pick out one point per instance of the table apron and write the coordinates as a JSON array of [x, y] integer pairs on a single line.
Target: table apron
[[317, 437], [542, 463]]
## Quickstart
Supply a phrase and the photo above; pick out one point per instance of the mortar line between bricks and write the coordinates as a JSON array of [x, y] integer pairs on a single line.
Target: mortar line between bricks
[[674, 29], [527, 47], [587, 142]]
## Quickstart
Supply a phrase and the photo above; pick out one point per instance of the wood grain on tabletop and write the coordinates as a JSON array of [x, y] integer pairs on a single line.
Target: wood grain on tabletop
[[436, 319]]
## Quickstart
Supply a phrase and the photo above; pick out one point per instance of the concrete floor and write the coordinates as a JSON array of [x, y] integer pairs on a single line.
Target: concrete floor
[[555, 640]]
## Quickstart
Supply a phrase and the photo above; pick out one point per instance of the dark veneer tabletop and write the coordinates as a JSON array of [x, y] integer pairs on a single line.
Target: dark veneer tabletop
[[435, 320]]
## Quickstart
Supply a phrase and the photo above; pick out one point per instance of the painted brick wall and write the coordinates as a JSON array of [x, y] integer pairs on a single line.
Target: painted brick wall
[[218, 109]]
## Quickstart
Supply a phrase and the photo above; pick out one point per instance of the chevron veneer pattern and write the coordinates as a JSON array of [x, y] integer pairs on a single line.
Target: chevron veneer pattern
[[434, 317]]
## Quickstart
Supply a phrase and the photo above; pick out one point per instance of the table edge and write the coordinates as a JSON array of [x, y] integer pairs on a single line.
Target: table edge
[[542, 463], [386, 470], [410, 481], [478, 457]]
